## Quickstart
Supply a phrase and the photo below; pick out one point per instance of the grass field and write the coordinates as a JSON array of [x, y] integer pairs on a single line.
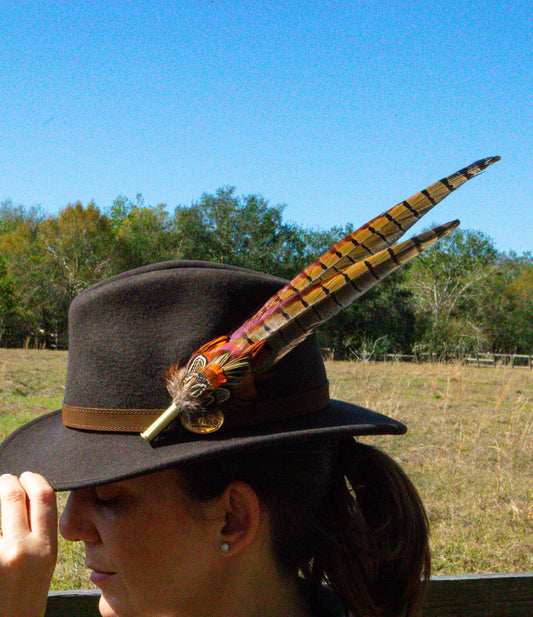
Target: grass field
[[469, 449]]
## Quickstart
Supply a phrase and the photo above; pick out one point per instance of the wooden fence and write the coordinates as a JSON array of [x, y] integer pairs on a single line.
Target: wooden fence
[[476, 359], [476, 595]]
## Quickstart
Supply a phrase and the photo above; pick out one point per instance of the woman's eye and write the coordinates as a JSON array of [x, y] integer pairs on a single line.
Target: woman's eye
[[114, 501], [105, 499]]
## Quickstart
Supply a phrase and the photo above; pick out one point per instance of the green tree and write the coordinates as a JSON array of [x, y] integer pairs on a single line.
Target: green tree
[[78, 245], [76, 250], [242, 231], [20, 258], [14, 216], [144, 234], [447, 283], [459, 294], [507, 309], [7, 304], [520, 296]]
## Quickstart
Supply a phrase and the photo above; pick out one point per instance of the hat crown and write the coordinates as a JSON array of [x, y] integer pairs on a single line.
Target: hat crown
[[126, 332]]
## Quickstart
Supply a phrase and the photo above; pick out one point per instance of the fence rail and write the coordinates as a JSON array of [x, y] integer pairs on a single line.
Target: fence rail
[[475, 595], [476, 359]]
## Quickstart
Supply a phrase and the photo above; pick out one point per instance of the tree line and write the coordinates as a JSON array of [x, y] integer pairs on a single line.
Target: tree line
[[460, 296]]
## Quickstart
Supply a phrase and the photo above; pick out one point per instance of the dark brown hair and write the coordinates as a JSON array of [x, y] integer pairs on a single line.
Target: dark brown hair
[[342, 513]]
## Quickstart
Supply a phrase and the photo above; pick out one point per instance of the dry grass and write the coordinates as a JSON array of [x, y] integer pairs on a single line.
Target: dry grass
[[469, 449]]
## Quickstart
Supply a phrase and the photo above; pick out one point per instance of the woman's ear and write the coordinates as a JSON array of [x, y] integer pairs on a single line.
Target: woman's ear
[[242, 517]]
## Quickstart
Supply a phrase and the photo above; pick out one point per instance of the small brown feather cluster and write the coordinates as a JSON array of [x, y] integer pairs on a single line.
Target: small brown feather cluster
[[181, 388]]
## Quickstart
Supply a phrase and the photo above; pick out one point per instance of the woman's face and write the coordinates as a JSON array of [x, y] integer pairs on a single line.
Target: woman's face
[[151, 551]]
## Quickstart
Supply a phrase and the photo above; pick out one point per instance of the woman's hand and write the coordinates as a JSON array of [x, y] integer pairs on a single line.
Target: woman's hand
[[28, 544]]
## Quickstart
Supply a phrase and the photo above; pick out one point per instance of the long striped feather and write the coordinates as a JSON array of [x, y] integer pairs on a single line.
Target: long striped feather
[[380, 232], [297, 316]]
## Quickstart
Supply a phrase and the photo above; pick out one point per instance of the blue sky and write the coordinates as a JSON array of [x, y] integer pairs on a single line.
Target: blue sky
[[336, 109]]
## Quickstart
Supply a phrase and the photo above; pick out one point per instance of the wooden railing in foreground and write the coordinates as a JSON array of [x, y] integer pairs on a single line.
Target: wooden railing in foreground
[[471, 595]]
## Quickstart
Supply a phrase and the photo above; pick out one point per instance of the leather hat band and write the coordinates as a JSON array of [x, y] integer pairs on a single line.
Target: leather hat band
[[235, 414]]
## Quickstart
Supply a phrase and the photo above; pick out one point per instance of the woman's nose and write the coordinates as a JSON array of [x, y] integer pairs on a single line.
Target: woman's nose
[[75, 523]]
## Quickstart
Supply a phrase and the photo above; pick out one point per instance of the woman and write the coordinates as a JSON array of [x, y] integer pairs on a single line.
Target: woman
[[232, 487], [275, 511]]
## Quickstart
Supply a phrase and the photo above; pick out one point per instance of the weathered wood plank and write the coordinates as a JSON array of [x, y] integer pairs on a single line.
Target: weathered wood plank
[[77, 603], [476, 595], [479, 595]]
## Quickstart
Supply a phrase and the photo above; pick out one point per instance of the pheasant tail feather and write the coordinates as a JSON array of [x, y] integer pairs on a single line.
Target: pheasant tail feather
[[300, 314], [380, 232]]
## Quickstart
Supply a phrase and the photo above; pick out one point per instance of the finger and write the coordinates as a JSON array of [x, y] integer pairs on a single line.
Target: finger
[[42, 505], [13, 507]]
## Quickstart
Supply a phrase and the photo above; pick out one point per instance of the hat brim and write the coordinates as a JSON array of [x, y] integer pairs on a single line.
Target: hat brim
[[70, 458]]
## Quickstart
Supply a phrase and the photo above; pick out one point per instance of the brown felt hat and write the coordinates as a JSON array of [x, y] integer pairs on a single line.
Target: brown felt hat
[[124, 334]]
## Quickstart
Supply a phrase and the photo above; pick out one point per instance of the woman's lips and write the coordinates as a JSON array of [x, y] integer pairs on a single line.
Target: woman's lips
[[98, 577]]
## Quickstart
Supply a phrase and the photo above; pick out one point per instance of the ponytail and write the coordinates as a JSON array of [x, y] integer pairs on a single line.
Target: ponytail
[[341, 513], [375, 535]]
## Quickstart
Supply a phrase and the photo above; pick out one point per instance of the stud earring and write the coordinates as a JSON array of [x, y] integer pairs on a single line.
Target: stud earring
[[225, 547]]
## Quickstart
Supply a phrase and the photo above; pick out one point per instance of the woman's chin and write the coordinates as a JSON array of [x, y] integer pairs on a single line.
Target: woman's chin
[[110, 607]]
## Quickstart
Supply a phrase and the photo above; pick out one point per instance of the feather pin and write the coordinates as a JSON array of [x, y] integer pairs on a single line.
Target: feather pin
[[225, 367]]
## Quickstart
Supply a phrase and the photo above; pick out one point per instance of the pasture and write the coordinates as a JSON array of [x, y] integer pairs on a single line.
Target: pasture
[[469, 449]]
